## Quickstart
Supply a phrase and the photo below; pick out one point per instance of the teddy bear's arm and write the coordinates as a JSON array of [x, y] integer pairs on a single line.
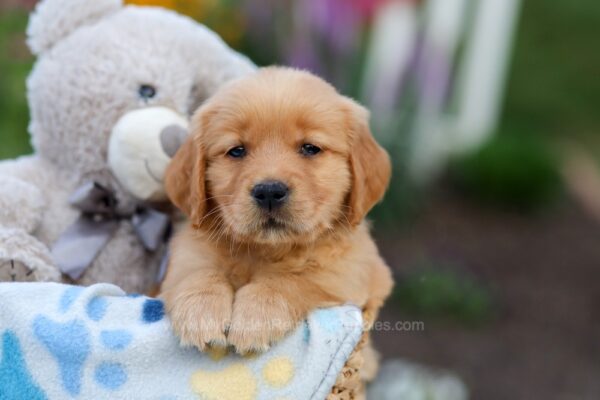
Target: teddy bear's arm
[[21, 204], [22, 256]]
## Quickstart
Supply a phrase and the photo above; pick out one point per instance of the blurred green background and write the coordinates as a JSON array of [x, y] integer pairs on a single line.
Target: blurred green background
[[553, 87], [15, 64]]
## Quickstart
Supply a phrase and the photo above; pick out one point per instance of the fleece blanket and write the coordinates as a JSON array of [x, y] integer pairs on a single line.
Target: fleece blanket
[[67, 342]]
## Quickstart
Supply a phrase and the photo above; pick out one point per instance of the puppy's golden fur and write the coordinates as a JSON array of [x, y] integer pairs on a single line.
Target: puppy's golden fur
[[243, 276]]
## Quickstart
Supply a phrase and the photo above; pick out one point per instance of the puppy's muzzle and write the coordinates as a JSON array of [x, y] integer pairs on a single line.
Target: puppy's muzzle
[[270, 195]]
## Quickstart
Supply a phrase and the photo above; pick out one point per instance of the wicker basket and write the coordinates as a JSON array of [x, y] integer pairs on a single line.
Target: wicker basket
[[360, 368]]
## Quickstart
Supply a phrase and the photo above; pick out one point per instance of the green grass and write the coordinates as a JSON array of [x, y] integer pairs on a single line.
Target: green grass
[[518, 171], [554, 85], [15, 64], [436, 291]]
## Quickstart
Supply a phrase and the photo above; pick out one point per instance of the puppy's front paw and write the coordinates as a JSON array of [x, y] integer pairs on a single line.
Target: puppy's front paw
[[201, 320], [259, 320]]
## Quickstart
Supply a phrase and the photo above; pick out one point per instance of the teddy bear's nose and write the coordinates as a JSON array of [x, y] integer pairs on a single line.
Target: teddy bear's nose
[[171, 139]]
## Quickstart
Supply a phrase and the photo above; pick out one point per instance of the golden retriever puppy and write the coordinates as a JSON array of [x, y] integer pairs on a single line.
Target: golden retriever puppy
[[276, 179]]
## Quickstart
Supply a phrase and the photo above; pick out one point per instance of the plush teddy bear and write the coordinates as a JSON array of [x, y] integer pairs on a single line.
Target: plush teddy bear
[[109, 95]]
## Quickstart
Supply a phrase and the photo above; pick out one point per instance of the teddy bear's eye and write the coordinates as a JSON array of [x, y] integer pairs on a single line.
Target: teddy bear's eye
[[147, 92]]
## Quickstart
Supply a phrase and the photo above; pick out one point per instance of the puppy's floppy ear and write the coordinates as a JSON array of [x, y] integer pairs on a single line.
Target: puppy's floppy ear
[[185, 176], [369, 163]]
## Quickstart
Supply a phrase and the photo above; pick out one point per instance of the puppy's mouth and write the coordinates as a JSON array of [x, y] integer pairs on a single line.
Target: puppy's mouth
[[272, 224]]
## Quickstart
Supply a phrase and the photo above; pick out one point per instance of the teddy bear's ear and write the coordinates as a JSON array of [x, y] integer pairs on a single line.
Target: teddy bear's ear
[[53, 20]]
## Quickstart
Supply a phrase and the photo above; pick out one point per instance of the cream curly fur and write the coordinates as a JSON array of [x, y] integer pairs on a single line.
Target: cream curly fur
[[93, 55]]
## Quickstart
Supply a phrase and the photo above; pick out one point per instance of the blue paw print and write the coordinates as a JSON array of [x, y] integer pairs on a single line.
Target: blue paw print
[[110, 375], [71, 343], [15, 380], [153, 311], [117, 339], [96, 308]]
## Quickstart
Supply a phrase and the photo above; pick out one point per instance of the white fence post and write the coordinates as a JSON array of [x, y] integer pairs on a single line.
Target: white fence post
[[445, 24], [389, 53], [479, 82], [481, 79]]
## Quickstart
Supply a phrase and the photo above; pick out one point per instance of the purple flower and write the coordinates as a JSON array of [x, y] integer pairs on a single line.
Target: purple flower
[[338, 22]]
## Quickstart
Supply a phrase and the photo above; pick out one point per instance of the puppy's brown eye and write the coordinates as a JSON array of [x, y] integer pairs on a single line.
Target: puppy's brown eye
[[237, 152], [308, 149]]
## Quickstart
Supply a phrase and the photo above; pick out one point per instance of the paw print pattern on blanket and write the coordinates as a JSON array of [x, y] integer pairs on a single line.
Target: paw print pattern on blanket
[[71, 342], [15, 379], [237, 381], [63, 342]]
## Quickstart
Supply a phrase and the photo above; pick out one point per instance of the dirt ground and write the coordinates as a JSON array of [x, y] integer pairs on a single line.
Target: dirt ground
[[544, 273]]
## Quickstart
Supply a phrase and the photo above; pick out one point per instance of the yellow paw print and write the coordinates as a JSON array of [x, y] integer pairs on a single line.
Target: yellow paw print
[[237, 382], [278, 372]]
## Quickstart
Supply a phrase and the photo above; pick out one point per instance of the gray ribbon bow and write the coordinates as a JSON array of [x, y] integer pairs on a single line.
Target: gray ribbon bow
[[79, 245]]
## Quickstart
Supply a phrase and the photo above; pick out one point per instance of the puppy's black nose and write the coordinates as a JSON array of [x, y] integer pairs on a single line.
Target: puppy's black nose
[[270, 195]]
